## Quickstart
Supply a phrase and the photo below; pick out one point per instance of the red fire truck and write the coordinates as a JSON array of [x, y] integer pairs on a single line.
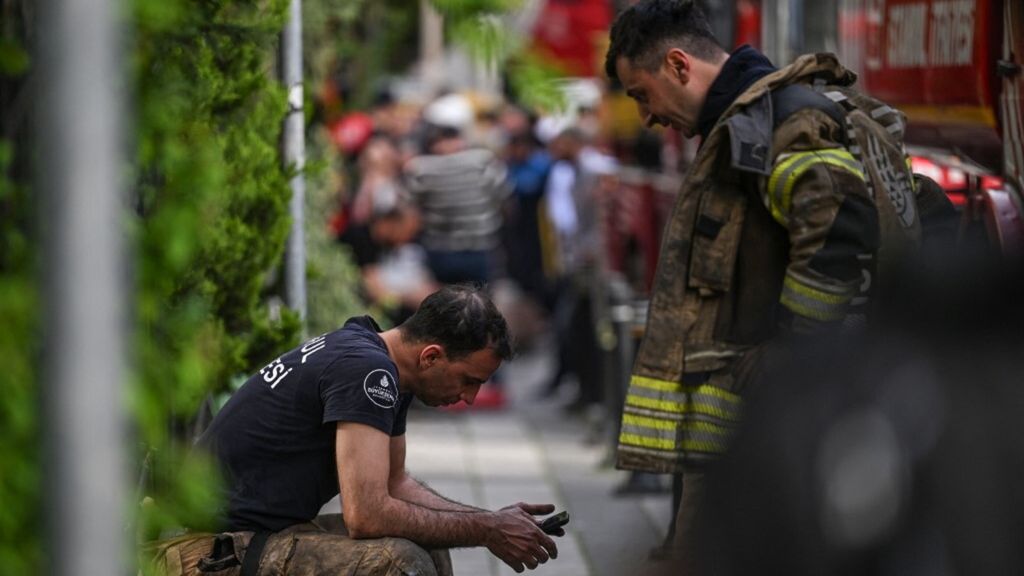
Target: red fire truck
[[954, 67]]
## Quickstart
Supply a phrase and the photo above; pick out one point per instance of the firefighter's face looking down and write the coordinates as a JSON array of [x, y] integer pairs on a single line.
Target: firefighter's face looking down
[[670, 95]]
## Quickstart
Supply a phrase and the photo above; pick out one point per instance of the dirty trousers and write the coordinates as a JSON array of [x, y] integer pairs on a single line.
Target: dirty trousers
[[318, 548], [685, 541]]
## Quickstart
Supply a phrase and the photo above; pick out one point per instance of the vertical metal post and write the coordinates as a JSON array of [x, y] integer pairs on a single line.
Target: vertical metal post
[[79, 162], [295, 157], [431, 47], [776, 30]]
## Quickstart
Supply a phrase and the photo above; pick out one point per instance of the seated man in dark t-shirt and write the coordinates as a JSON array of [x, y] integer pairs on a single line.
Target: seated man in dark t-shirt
[[331, 415]]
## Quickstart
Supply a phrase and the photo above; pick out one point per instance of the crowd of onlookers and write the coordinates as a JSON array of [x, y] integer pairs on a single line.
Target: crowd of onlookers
[[492, 194]]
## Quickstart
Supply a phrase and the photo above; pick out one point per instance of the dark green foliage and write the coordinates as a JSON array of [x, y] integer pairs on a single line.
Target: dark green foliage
[[357, 44], [19, 450], [206, 226], [211, 224], [20, 454]]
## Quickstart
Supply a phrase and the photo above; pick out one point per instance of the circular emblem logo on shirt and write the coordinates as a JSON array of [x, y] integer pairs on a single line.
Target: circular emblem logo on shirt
[[380, 388]]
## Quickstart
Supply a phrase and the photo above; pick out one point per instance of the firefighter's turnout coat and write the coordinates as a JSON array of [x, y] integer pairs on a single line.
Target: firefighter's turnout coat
[[797, 197]]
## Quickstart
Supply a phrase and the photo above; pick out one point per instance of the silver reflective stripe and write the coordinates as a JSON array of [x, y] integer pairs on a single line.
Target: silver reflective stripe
[[679, 434], [847, 160], [676, 416], [836, 96], [881, 111], [811, 308], [710, 354]]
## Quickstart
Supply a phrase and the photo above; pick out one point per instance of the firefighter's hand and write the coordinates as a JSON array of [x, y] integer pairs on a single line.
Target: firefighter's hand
[[516, 538]]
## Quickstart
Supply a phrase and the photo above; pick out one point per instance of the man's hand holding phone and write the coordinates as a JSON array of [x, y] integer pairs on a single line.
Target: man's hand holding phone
[[553, 524]]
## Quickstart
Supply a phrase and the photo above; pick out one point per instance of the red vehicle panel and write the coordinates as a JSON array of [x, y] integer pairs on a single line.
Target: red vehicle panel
[[930, 53]]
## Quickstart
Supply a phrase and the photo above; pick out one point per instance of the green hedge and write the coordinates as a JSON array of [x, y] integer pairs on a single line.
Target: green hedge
[[207, 223], [211, 222], [20, 454]]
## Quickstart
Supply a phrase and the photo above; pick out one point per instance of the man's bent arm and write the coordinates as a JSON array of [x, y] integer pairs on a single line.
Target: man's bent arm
[[404, 487], [370, 511]]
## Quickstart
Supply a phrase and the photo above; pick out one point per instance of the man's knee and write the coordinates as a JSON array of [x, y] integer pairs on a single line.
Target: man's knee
[[407, 557], [322, 553]]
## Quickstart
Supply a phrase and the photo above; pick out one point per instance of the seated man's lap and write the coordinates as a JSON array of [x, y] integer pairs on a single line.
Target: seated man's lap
[[317, 548], [322, 553]]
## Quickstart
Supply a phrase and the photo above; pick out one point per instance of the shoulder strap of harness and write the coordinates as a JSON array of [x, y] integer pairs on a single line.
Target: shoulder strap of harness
[[751, 130], [790, 99]]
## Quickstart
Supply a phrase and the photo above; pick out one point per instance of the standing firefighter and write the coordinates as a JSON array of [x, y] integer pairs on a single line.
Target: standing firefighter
[[800, 191]]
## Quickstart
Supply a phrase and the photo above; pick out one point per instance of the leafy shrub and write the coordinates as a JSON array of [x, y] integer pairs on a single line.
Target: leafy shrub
[[211, 221]]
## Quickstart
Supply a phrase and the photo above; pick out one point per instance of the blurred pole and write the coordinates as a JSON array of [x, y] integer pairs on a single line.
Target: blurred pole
[[777, 30], [79, 165], [431, 48], [295, 158]]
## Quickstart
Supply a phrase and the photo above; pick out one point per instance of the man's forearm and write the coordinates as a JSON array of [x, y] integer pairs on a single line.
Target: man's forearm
[[413, 491], [425, 526]]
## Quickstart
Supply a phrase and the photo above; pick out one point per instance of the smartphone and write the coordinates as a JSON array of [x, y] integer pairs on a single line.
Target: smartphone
[[551, 524]]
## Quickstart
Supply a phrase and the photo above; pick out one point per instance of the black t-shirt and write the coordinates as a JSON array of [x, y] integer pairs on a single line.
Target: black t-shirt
[[275, 437]]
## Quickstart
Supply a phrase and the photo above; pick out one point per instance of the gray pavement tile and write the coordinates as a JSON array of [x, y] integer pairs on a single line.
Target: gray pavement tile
[[429, 453], [500, 495], [503, 425], [659, 510], [472, 561], [460, 490]]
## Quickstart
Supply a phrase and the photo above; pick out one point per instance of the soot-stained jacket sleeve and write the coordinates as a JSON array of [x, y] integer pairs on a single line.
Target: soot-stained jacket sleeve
[[361, 388], [817, 191]]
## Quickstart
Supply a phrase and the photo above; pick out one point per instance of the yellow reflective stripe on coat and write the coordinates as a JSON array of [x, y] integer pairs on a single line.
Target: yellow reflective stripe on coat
[[669, 386], [666, 416], [814, 303], [790, 167]]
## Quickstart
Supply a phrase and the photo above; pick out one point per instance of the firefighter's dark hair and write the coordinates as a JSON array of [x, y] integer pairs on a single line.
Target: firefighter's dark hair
[[643, 33], [461, 318]]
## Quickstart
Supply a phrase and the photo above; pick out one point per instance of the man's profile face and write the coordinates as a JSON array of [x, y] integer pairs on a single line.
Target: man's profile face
[[449, 381], [662, 96]]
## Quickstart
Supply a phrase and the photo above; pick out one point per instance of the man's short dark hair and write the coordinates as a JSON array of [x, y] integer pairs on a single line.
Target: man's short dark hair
[[436, 134], [644, 32], [463, 319]]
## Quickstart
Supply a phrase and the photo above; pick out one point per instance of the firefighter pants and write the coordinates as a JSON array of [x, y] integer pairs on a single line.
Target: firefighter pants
[[685, 542], [318, 548]]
